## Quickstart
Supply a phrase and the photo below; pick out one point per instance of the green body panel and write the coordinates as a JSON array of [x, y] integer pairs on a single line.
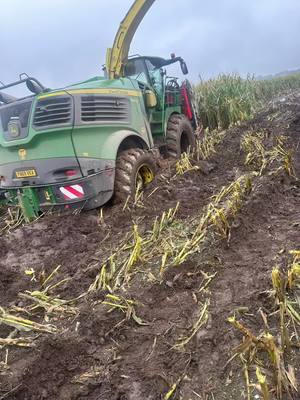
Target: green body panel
[[86, 141], [160, 119], [38, 145], [89, 141], [103, 141], [82, 143]]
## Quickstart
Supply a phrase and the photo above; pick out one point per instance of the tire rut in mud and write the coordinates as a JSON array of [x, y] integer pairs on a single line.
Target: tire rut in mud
[[102, 355]]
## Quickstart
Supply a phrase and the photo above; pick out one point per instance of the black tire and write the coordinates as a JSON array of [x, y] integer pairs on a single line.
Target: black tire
[[128, 166], [180, 136]]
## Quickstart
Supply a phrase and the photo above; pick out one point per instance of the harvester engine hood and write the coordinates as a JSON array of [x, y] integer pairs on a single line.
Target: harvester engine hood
[[48, 155], [36, 145]]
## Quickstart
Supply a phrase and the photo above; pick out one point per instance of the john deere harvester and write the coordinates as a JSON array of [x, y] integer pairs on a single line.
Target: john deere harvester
[[81, 145]]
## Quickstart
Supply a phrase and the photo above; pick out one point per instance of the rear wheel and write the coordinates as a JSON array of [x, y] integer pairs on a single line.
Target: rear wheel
[[135, 169], [180, 136]]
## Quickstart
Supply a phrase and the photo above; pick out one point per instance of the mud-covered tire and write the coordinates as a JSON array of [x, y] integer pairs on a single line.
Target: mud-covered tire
[[180, 136], [128, 165]]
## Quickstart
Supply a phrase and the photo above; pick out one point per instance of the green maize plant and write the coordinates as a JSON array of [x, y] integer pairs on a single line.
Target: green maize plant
[[229, 99], [225, 100]]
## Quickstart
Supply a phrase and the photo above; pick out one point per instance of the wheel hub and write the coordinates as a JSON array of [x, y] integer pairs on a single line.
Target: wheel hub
[[144, 176]]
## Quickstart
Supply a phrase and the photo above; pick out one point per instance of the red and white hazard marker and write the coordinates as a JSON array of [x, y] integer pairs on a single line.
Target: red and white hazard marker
[[72, 192]]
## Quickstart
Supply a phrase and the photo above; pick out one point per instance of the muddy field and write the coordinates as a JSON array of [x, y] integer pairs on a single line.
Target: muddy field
[[154, 324]]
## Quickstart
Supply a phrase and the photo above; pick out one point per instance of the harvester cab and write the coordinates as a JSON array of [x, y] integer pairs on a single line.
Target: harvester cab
[[161, 91], [79, 146]]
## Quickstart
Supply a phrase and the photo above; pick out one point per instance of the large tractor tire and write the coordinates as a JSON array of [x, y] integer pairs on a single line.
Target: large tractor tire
[[135, 169], [180, 136]]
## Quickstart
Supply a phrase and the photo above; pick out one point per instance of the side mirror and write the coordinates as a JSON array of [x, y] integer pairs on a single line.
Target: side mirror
[[151, 100], [184, 67], [34, 87]]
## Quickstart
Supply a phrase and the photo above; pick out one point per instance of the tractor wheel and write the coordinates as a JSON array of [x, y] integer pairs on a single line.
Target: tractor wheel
[[180, 136], [135, 169]]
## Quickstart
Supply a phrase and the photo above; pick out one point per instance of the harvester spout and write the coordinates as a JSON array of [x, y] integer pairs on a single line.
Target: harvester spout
[[116, 57]]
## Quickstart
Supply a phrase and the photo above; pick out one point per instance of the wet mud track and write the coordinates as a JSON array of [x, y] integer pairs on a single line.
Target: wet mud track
[[96, 354]]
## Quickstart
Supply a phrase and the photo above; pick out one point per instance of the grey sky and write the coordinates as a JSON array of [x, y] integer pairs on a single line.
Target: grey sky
[[64, 41]]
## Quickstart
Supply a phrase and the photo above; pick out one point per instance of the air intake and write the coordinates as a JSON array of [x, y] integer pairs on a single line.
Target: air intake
[[104, 109], [52, 112]]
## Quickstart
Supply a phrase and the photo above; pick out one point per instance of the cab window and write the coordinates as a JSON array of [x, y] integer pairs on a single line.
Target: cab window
[[136, 69], [155, 76]]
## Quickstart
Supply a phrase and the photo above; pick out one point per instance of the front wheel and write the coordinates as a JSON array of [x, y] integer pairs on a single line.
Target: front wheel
[[135, 169]]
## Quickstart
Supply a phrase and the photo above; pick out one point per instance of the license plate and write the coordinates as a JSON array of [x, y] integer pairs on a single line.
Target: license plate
[[27, 173]]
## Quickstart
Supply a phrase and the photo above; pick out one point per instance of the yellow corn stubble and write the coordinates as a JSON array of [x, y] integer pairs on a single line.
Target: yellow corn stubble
[[22, 324], [263, 384]]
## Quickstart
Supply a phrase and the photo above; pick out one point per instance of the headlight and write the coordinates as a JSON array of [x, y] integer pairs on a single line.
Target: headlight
[[14, 127]]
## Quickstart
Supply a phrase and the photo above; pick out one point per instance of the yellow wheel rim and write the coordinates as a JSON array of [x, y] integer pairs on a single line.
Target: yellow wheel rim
[[144, 176]]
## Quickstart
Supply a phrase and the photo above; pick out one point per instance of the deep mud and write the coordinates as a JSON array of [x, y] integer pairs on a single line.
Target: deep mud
[[101, 355]]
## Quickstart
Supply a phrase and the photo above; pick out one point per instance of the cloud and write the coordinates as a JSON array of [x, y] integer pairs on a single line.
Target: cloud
[[62, 42]]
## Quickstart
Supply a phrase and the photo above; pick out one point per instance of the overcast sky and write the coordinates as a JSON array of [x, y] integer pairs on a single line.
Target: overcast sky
[[64, 41]]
